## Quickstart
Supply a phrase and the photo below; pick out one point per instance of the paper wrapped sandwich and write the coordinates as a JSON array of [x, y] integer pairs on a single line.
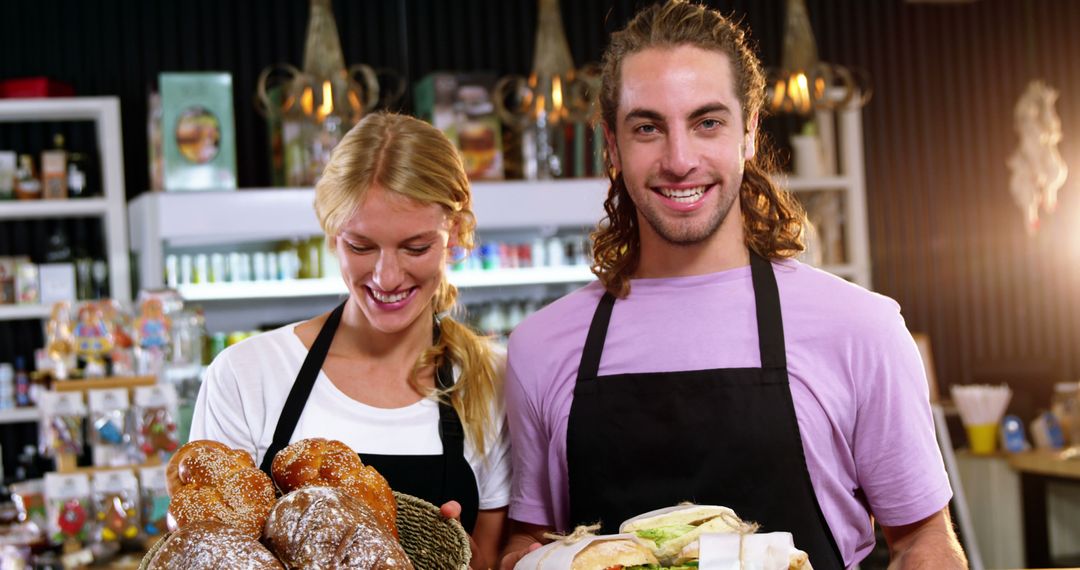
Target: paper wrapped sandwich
[[590, 552], [714, 538]]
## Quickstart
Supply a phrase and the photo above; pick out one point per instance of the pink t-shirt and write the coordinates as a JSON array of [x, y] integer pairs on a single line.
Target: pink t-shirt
[[857, 381]]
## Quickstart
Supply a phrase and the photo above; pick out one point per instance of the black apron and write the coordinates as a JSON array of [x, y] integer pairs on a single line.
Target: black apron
[[638, 442], [434, 478]]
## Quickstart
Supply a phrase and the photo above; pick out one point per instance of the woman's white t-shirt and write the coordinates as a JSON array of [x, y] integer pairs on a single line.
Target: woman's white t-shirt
[[246, 386]]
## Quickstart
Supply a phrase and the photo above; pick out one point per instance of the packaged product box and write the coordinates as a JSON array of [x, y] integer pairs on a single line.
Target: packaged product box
[[54, 174], [461, 106], [57, 282], [198, 133]]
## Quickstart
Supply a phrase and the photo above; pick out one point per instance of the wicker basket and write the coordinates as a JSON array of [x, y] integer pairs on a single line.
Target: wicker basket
[[431, 541]]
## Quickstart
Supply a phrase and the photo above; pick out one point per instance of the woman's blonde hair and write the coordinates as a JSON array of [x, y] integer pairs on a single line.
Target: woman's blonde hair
[[773, 220], [409, 157]]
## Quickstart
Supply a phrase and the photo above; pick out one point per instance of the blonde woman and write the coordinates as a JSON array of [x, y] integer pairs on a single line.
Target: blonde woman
[[389, 372]]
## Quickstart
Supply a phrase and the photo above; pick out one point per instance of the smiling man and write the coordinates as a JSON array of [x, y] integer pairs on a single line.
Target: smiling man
[[707, 364]]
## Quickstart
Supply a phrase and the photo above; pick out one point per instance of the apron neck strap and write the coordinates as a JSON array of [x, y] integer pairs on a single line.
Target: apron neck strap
[[594, 342], [305, 381], [769, 320]]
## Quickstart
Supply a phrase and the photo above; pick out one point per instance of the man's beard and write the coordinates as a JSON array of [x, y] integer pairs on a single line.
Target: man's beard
[[690, 232]]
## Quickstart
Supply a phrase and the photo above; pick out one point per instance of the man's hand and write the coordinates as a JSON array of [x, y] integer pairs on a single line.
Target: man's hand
[[524, 538], [452, 510]]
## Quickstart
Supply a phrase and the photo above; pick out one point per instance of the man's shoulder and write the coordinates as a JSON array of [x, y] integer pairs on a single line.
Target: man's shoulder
[[557, 325], [566, 313], [830, 300]]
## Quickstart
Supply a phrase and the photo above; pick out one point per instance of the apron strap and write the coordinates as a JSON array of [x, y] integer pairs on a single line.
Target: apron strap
[[589, 367], [301, 388], [769, 320], [450, 430]]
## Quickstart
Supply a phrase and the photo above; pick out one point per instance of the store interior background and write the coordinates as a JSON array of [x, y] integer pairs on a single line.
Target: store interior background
[[947, 240]]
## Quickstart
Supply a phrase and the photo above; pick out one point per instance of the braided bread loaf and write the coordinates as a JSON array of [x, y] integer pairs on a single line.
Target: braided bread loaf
[[329, 463], [208, 480]]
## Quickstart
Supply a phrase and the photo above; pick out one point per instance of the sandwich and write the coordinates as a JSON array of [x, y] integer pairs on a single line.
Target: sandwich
[[668, 531], [609, 552], [617, 554]]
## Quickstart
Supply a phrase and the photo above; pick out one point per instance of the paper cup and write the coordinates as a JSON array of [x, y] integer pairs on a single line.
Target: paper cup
[[982, 438]]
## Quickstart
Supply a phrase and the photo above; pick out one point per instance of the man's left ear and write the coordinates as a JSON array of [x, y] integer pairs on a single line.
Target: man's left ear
[[750, 138]]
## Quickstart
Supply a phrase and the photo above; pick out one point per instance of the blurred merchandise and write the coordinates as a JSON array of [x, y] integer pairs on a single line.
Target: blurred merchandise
[[22, 384], [7, 386], [68, 507], [461, 106], [7, 280], [198, 132], [56, 282], [154, 500], [60, 340], [153, 337], [155, 416], [1046, 432], [60, 427], [27, 185], [1065, 405], [27, 285], [29, 498], [93, 339], [7, 174], [116, 506], [309, 111], [27, 87], [54, 171], [1012, 435], [547, 105], [76, 175], [110, 432]]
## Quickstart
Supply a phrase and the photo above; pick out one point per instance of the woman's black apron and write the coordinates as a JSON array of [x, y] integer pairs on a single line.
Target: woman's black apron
[[638, 442], [434, 478]]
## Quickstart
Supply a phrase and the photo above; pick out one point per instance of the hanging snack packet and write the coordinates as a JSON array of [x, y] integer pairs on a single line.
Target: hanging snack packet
[[156, 408], [108, 427], [116, 506], [155, 499], [29, 499], [67, 506], [62, 415]]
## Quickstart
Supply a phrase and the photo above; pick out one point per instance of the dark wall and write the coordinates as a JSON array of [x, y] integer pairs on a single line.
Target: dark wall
[[947, 241]]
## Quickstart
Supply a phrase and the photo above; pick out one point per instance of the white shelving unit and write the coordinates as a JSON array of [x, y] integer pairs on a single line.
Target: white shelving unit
[[841, 134], [161, 222], [105, 112], [335, 286], [19, 415]]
